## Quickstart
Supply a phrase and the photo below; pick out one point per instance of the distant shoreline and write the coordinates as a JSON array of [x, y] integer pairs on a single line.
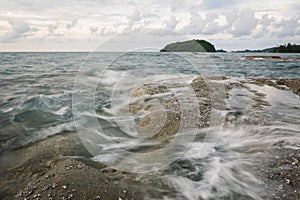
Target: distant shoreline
[[256, 54]]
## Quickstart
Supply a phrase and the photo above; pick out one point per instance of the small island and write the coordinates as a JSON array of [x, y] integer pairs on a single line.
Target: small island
[[189, 46]]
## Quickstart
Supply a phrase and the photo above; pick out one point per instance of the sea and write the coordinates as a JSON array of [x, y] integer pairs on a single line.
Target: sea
[[45, 94]]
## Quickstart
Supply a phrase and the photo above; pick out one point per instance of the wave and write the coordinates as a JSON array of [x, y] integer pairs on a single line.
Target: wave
[[22, 136], [34, 118]]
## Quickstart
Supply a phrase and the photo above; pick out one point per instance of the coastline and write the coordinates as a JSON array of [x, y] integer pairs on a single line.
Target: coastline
[[48, 168]]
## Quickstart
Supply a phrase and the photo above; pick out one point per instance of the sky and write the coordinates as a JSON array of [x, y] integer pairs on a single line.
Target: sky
[[76, 25]]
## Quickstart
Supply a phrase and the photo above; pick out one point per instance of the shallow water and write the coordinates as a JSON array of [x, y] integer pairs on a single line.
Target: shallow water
[[38, 95]]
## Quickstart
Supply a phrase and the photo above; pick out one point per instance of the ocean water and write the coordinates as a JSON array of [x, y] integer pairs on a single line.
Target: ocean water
[[41, 94]]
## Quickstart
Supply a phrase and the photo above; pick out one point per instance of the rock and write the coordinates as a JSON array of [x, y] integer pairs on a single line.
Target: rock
[[150, 89], [160, 112]]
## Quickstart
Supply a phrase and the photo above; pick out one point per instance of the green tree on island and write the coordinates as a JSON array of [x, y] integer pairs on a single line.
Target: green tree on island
[[288, 48], [190, 46]]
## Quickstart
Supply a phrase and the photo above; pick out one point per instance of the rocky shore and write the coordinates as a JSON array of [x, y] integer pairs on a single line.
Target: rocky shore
[[59, 167]]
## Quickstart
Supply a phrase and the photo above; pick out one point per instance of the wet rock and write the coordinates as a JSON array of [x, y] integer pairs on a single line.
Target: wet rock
[[150, 89], [292, 85], [108, 170], [159, 115]]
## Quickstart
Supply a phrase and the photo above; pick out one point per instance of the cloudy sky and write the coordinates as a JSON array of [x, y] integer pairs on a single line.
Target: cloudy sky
[[76, 25]]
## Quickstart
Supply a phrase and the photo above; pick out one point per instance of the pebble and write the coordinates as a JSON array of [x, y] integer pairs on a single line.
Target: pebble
[[36, 195], [64, 186], [54, 185], [46, 188], [295, 161], [287, 181], [49, 163], [98, 197]]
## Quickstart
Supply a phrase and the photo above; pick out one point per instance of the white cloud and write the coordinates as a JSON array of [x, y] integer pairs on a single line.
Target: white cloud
[[56, 22], [196, 25], [206, 26]]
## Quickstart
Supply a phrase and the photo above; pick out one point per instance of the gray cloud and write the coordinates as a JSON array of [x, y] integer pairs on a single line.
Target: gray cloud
[[18, 30], [94, 30], [216, 4], [172, 23], [52, 27], [266, 22], [72, 24], [185, 5], [104, 31], [289, 27], [150, 15], [163, 32], [212, 28], [244, 24], [133, 18]]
